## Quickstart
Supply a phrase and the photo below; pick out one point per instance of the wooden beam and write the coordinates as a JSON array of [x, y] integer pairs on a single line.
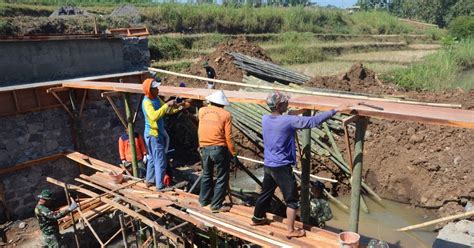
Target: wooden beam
[[15, 99], [30, 163], [92, 162], [117, 111], [71, 187], [90, 227], [83, 102], [62, 104], [57, 89], [110, 94], [392, 110]]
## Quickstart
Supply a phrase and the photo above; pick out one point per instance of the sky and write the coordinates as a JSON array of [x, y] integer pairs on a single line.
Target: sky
[[337, 3]]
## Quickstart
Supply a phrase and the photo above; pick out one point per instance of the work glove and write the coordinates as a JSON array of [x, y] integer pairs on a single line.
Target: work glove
[[167, 180], [72, 207], [145, 158]]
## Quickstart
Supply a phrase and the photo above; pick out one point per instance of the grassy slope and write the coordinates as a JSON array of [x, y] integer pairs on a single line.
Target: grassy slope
[[440, 70], [215, 18]]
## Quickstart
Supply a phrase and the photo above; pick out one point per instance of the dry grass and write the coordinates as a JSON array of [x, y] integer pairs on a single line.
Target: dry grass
[[336, 44], [328, 68], [402, 57], [424, 46]]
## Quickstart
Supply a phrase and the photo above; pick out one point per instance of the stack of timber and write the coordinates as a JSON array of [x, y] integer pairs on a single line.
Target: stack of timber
[[167, 212], [267, 70], [248, 119]]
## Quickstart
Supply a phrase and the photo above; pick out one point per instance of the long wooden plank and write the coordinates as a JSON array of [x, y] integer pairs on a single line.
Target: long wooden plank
[[392, 111], [93, 163], [30, 163]]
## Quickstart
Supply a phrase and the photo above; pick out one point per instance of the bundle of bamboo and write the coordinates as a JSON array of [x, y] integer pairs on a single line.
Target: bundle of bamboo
[[267, 70]]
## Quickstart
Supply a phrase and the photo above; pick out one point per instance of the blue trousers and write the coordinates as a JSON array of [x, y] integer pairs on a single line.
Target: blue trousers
[[156, 165]]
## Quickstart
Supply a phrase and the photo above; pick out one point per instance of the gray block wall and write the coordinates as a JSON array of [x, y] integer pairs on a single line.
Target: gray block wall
[[39, 61], [39, 134]]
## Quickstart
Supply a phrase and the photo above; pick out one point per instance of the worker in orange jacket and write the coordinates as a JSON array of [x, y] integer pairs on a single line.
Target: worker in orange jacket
[[126, 152], [215, 141]]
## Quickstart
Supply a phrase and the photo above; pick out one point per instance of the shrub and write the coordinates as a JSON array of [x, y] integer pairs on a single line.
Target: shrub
[[462, 27], [165, 48]]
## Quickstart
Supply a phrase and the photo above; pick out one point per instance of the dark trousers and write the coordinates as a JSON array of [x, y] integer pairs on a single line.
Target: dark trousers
[[283, 178], [210, 193]]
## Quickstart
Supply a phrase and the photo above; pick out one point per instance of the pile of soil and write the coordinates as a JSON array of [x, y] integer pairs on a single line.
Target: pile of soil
[[425, 165], [222, 63], [357, 79]]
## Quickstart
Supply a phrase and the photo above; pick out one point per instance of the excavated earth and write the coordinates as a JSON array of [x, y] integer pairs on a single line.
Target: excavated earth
[[222, 63], [424, 165]]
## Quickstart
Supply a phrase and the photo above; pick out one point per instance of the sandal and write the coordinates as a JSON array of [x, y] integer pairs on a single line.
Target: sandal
[[221, 209], [260, 222], [297, 233]]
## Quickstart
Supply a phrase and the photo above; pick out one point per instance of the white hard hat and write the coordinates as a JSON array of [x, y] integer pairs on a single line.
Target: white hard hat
[[218, 97], [155, 84]]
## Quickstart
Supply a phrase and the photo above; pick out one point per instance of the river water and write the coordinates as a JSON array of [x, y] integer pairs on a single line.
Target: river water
[[379, 224]]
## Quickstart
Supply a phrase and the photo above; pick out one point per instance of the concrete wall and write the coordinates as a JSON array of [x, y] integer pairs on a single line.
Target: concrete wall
[[37, 61]]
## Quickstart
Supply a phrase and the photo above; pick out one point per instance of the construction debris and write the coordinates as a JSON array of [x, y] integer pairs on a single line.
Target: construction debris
[[69, 11]]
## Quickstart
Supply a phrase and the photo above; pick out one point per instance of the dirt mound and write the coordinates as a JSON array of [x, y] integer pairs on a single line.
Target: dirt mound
[[425, 165], [222, 63], [357, 79]]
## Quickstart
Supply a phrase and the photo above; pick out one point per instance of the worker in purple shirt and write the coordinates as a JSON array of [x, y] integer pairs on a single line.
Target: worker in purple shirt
[[280, 156]]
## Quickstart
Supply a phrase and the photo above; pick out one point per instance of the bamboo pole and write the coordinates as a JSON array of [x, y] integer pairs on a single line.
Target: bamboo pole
[[432, 222], [131, 133], [306, 92], [66, 191], [356, 180], [305, 172], [295, 171]]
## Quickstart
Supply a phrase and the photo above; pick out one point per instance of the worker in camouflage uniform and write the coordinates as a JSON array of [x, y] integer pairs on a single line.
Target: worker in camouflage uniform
[[48, 220], [320, 210]]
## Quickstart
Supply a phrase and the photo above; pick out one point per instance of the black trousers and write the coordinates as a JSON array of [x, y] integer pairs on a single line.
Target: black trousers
[[283, 178], [214, 192]]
